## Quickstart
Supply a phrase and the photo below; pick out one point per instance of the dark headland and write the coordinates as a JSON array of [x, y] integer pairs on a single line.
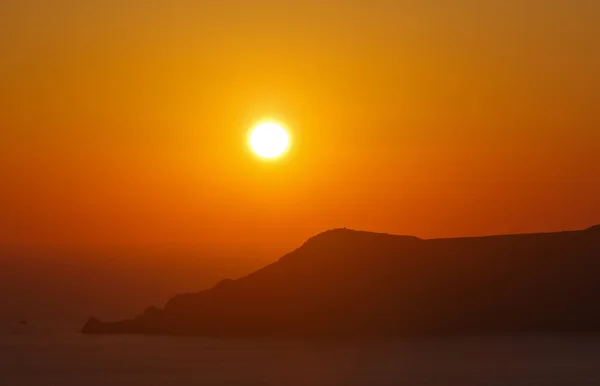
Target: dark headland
[[348, 283]]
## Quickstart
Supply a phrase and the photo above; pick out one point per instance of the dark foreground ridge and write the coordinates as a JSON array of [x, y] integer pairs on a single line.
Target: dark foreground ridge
[[350, 283]]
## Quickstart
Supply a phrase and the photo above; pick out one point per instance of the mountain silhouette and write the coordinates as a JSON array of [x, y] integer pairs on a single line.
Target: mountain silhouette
[[347, 283]]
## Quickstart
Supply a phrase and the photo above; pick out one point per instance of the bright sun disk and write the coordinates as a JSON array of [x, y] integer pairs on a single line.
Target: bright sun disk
[[269, 140]]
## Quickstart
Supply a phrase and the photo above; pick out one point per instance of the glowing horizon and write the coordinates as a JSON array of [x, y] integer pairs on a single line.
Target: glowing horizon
[[127, 123]]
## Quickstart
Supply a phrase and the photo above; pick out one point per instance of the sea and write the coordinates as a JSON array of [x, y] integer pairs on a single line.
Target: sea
[[65, 358]]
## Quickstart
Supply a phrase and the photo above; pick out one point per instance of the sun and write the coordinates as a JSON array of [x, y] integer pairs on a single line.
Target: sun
[[269, 140]]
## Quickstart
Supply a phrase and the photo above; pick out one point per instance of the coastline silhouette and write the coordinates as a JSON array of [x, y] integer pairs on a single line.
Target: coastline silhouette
[[353, 283]]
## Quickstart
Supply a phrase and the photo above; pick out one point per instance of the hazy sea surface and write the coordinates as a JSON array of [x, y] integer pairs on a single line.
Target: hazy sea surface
[[66, 358]]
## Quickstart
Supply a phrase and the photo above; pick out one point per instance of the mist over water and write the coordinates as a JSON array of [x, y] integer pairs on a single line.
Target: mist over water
[[44, 358]]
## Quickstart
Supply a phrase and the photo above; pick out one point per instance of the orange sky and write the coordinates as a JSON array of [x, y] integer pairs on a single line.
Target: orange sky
[[126, 124]]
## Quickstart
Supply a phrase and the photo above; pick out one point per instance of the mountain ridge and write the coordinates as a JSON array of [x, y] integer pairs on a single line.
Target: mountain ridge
[[347, 282]]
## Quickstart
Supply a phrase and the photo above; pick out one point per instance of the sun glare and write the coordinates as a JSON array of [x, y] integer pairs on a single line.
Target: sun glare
[[269, 140]]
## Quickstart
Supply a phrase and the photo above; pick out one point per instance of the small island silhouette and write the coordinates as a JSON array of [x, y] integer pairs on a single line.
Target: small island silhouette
[[352, 283]]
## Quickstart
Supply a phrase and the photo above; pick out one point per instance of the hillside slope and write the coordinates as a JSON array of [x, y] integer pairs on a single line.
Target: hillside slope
[[345, 282]]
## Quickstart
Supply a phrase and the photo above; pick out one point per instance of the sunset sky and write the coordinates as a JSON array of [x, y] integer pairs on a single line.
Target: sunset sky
[[126, 122]]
